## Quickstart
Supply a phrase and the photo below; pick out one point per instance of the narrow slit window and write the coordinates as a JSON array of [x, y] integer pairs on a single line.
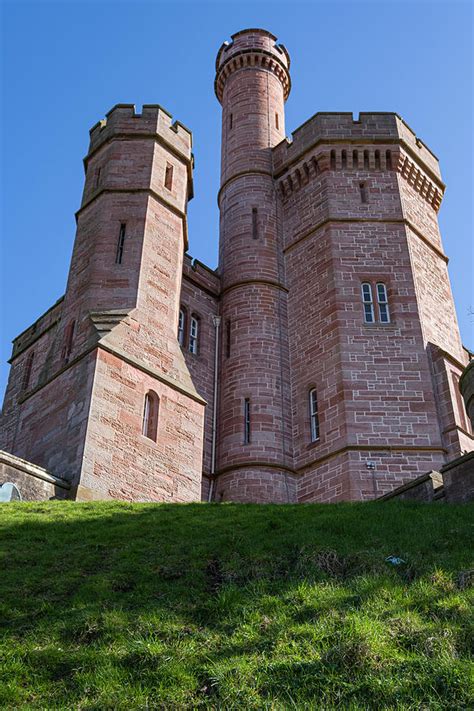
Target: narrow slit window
[[193, 335], [120, 244], [68, 341], [355, 159], [150, 415], [388, 159], [366, 160], [246, 421], [27, 371], [231, 122], [313, 415], [254, 223], [344, 159], [333, 160], [382, 301], [181, 321], [169, 176], [277, 122], [364, 197], [377, 159], [97, 177], [227, 338], [368, 303]]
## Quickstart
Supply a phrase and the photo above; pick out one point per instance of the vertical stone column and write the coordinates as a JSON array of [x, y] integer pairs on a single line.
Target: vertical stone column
[[254, 446]]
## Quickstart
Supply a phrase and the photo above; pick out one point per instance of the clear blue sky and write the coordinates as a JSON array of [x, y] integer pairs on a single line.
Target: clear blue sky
[[65, 64]]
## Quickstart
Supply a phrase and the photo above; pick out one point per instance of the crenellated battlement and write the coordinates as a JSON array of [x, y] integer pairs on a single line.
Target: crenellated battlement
[[154, 120], [252, 48], [369, 128], [200, 273]]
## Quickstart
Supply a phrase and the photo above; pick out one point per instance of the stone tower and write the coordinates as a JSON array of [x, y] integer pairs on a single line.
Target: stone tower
[[111, 341], [320, 362], [252, 83]]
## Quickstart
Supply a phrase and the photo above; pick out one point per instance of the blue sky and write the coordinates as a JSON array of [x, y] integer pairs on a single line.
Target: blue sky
[[65, 64]]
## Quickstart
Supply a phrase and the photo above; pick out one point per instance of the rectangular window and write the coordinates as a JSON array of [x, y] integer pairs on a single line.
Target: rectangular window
[[246, 421], [313, 415], [383, 303], [193, 335], [120, 244], [368, 303], [181, 327], [254, 223], [277, 122], [169, 176]]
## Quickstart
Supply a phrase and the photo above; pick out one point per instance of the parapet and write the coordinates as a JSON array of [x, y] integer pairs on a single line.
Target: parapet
[[153, 120], [386, 128], [204, 276], [37, 329], [252, 48]]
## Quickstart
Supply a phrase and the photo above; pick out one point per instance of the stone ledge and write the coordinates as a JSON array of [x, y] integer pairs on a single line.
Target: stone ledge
[[34, 470]]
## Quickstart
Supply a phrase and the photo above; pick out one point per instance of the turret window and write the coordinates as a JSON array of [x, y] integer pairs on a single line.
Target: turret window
[[313, 415], [246, 421], [120, 244], [382, 301], [27, 371], [277, 122], [150, 415], [369, 315], [382, 315], [169, 176], [194, 335], [254, 223]]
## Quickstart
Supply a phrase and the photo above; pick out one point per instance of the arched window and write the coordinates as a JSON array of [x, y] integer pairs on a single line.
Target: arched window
[[150, 415], [368, 303], [194, 334], [382, 301], [27, 371], [313, 415], [181, 326]]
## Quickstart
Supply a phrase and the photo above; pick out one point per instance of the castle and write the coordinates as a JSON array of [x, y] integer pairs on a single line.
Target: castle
[[319, 362]]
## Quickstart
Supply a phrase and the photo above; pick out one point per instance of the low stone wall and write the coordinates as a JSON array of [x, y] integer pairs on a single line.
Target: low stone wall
[[33, 482], [458, 478], [425, 488]]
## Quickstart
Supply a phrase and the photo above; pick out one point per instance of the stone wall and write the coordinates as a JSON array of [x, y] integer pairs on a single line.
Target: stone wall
[[33, 482]]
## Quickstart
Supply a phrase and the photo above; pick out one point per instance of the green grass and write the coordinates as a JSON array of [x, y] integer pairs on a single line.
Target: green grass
[[116, 606]]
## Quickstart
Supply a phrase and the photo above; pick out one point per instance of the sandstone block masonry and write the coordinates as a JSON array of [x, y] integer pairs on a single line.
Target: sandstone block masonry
[[319, 362]]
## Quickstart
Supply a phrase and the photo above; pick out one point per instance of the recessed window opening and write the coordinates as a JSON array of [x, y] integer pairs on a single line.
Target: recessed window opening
[[181, 323], [227, 338], [377, 159], [368, 303], [68, 340], [313, 415], [388, 159], [277, 122], [27, 371], [254, 223], [169, 176], [364, 196], [459, 402], [246, 421], [355, 159], [231, 121], [333, 160], [344, 159], [193, 334], [366, 160], [382, 301], [120, 244], [150, 415], [97, 177]]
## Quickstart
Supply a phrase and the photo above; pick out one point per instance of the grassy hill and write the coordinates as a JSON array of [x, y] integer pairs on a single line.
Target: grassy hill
[[116, 606]]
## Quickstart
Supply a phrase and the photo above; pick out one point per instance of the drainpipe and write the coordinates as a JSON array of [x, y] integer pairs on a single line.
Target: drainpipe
[[217, 322]]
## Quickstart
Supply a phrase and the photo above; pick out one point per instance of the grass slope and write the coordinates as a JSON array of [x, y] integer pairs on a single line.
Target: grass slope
[[116, 606]]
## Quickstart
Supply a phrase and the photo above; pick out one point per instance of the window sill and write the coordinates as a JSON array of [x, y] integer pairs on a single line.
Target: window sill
[[314, 444]]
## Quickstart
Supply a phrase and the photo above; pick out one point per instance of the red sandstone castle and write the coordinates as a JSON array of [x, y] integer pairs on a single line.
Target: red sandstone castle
[[319, 362]]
